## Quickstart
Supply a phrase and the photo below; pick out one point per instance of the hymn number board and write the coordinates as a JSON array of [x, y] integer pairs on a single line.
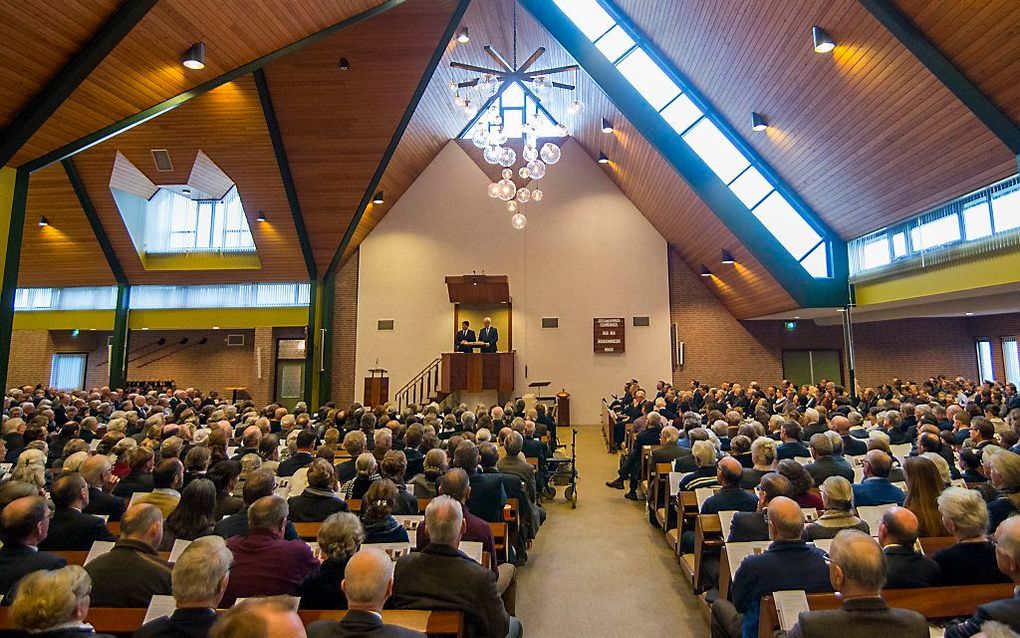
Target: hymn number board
[[609, 335]]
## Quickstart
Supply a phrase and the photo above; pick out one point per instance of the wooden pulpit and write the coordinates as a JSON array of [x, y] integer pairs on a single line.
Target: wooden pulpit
[[377, 387]]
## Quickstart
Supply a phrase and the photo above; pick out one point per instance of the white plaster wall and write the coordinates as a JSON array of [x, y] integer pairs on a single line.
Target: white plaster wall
[[587, 252]]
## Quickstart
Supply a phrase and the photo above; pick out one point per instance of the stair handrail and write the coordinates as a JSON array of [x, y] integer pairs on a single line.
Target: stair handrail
[[409, 393]]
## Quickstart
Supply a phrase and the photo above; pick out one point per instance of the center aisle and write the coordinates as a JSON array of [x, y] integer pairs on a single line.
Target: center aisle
[[602, 570]]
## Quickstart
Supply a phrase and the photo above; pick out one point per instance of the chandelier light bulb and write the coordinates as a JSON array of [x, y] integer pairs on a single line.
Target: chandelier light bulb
[[537, 195], [459, 100], [511, 206], [508, 159], [494, 190], [550, 153], [507, 173], [530, 153], [480, 137], [576, 107], [524, 173], [492, 154], [536, 169], [523, 195], [561, 129], [453, 86], [470, 109], [519, 221]]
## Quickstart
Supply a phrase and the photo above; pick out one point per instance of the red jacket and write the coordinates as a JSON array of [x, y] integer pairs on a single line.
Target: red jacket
[[267, 565]]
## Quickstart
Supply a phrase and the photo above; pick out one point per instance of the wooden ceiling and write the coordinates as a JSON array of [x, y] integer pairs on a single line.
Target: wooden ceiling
[[867, 135], [337, 124], [144, 69]]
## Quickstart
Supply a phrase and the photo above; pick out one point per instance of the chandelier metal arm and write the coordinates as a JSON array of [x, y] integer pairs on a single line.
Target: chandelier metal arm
[[539, 106], [476, 68], [498, 58], [555, 69], [561, 85], [531, 60], [482, 110], [468, 84]]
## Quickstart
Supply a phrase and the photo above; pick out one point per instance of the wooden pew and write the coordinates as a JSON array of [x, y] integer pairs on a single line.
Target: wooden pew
[[78, 558], [932, 544], [934, 603], [500, 536], [124, 622], [646, 473], [658, 494], [707, 536]]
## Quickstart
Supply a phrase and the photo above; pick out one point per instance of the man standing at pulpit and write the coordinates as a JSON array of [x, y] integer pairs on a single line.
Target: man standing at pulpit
[[464, 337], [488, 335]]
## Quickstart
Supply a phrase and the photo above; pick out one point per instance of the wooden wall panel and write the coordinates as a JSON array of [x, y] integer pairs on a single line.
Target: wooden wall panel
[[640, 172], [866, 135], [145, 68], [39, 38], [981, 37], [336, 124], [66, 252], [228, 125]]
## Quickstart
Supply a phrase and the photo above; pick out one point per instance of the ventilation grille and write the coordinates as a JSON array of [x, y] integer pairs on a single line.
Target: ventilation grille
[[550, 322], [642, 321], [385, 324], [235, 340], [162, 159]]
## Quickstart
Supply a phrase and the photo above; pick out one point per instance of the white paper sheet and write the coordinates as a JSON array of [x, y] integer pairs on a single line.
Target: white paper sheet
[[98, 549], [872, 515], [178, 549], [674, 483], [703, 494], [159, 605], [472, 549], [789, 604], [725, 522]]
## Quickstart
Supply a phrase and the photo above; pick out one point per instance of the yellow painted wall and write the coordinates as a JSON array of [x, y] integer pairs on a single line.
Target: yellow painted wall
[[991, 269], [64, 319], [6, 200], [201, 261], [197, 318], [499, 314]]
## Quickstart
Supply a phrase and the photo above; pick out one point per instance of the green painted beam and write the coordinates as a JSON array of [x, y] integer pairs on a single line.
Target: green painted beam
[[117, 128], [311, 339], [412, 106], [12, 262], [281, 161], [121, 337], [326, 340], [97, 225], [46, 102]]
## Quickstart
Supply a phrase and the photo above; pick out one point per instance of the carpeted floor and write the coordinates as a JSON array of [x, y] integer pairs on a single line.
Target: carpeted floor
[[602, 570]]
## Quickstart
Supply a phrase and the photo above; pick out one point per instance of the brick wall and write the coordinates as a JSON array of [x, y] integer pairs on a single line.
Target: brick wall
[[345, 332], [721, 348], [32, 355]]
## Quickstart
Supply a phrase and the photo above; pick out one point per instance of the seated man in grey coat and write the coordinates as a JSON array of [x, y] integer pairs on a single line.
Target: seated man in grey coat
[[857, 572]]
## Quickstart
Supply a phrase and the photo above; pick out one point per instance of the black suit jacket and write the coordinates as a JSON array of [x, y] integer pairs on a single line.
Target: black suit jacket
[[853, 446], [906, 569], [183, 623], [73, 531], [464, 335], [102, 503], [490, 336], [487, 497], [748, 526], [312, 506], [359, 624], [294, 463], [860, 618], [441, 577], [237, 525], [19, 560], [1005, 611], [134, 482]]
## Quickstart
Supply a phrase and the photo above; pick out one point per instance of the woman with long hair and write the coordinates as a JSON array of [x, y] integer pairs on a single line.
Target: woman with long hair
[[801, 484], [194, 515], [224, 476], [924, 484], [377, 514]]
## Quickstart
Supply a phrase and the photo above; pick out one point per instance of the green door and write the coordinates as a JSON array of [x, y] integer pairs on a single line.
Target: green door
[[290, 382], [809, 366]]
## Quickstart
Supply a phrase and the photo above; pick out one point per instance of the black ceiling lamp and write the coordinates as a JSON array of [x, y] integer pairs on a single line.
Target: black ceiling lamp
[[603, 159], [758, 122], [345, 64], [705, 272], [378, 199], [43, 221], [194, 57], [261, 217], [727, 257], [821, 39]]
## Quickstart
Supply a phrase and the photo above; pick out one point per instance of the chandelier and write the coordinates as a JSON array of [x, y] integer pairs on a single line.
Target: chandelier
[[488, 130]]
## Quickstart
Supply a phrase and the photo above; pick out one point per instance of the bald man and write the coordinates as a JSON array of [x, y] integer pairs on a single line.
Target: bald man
[[1007, 557], [25, 523], [368, 583], [272, 617], [905, 567], [851, 446], [788, 563], [730, 496], [857, 572]]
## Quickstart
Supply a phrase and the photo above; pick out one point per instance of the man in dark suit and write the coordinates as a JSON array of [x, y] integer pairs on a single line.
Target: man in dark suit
[[463, 337], [826, 463], [139, 479], [302, 458], [442, 577], [852, 446], [1007, 611], [906, 567], [200, 577], [876, 489], [25, 523], [857, 572], [791, 447], [753, 526], [131, 573], [489, 335], [788, 563], [368, 583], [260, 483], [70, 529], [531, 516], [488, 495], [98, 473]]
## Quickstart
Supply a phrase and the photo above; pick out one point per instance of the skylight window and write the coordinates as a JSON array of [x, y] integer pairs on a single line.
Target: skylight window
[[718, 152], [876, 252], [976, 221], [935, 233], [650, 81], [179, 223], [1006, 210], [681, 114], [751, 187], [587, 15], [614, 43], [786, 225], [817, 262]]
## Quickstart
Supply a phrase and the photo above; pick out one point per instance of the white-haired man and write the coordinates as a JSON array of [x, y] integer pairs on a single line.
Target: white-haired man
[[488, 335]]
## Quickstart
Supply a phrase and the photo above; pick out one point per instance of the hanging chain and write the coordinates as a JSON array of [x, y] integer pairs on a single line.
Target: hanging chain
[[515, 35]]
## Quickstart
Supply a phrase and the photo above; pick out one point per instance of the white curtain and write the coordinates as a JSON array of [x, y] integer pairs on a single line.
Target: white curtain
[[68, 371], [175, 223], [1012, 359], [220, 296], [159, 220], [84, 298]]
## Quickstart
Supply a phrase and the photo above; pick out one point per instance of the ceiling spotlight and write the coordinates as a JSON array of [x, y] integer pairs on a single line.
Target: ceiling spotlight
[[185, 191], [822, 40], [705, 272], [261, 217], [463, 38], [345, 64], [602, 158], [194, 58], [758, 122], [969, 314], [43, 221], [378, 199], [727, 257], [607, 126]]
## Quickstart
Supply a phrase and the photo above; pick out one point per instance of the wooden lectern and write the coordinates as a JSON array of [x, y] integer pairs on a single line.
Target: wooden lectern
[[377, 387]]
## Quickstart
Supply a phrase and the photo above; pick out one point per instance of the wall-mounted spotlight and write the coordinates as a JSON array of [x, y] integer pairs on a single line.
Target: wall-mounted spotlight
[[463, 37], [43, 221], [705, 272], [261, 217], [822, 40], [758, 122], [727, 257], [194, 57], [345, 64], [607, 126], [378, 199], [602, 158]]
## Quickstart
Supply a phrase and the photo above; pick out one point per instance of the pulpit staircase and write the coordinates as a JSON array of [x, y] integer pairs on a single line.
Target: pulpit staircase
[[423, 388]]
